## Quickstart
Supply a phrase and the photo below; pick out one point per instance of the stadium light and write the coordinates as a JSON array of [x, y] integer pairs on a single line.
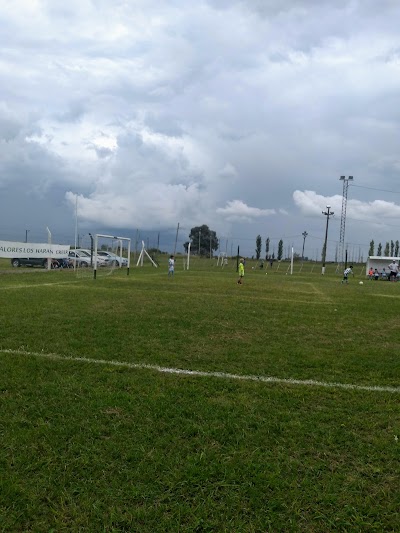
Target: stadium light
[[328, 213], [304, 242]]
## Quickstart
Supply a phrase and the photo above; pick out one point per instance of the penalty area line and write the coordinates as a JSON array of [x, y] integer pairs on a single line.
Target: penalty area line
[[203, 373]]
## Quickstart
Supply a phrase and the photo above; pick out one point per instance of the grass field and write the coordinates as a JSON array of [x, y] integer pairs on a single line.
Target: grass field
[[291, 422]]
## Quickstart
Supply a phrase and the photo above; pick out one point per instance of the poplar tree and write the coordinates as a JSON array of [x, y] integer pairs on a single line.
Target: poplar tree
[[280, 249], [371, 248], [387, 249], [258, 247], [267, 248]]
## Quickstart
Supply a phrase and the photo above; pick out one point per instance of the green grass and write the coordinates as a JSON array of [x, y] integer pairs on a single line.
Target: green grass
[[98, 447]]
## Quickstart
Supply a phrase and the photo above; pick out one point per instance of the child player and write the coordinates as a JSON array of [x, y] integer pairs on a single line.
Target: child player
[[171, 266], [346, 274], [241, 272]]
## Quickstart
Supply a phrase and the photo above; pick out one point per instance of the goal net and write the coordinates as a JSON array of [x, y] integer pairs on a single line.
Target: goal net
[[110, 254]]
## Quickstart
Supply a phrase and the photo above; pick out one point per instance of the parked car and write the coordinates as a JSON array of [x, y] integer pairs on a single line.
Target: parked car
[[32, 261], [101, 261], [83, 259], [112, 258], [79, 258]]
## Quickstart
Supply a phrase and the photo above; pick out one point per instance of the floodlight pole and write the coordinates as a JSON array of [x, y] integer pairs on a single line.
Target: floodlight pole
[[199, 240], [176, 239], [26, 235], [91, 249], [343, 215], [49, 242], [304, 242], [328, 214], [291, 262], [95, 252]]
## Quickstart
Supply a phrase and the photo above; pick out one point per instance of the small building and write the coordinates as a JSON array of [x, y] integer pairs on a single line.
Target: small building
[[380, 262]]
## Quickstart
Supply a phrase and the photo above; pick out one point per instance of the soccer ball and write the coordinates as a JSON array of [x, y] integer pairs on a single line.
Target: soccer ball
[[361, 283]]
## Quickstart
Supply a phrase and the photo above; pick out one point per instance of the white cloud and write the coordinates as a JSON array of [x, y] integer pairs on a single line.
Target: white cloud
[[236, 210], [155, 205], [377, 211]]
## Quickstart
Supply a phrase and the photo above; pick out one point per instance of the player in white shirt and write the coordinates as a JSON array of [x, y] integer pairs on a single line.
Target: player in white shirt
[[171, 266], [346, 274]]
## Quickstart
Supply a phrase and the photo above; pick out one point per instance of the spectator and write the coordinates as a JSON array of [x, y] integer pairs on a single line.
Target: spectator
[[394, 269]]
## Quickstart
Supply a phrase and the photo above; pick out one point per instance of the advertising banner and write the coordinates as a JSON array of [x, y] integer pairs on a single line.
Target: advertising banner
[[14, 250]]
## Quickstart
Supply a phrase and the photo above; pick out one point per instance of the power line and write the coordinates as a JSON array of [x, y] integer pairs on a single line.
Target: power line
[[374, 189], [380, 223]]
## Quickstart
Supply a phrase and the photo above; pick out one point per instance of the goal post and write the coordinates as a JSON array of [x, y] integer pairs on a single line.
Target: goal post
[[222, 259], [143, 253], [120, 241]]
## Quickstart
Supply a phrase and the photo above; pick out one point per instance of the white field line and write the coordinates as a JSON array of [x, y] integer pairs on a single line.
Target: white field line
[[201, 373], [38, 285], [249, 297]]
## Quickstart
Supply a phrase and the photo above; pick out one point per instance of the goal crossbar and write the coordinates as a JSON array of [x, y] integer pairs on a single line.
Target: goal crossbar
[[120, 240]]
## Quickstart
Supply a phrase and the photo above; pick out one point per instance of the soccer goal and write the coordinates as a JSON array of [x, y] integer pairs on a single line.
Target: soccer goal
[[222, 259], [111, 253]]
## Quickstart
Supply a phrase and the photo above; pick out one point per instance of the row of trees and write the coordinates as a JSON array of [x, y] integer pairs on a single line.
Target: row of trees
[[204, 241], [267, 249], [391, 249]]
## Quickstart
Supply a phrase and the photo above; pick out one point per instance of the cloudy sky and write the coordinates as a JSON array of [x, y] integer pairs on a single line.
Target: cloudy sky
[[238, 114]]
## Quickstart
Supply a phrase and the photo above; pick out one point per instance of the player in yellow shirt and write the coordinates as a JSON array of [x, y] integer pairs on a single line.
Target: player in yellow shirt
[[241, 272]]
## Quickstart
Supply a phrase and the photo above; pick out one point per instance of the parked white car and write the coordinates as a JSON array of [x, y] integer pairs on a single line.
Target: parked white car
[[112, 258], [83, 258], [101, 261]]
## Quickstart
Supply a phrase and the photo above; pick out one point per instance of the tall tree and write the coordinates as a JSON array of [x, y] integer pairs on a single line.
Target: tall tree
[[387, 250], [396, 249], [280, 249], [267, 248], [379, 252], [391, 248], [202, 239], [258, 247], [371, 248]]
